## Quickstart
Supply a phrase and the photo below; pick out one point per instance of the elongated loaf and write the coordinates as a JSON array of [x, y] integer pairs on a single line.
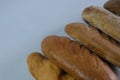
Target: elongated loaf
[[76, 59], [42, 69], [95, 41], [103, 20], [113, 6]]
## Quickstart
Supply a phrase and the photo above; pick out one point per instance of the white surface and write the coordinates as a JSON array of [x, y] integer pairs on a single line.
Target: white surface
[[23, 25]]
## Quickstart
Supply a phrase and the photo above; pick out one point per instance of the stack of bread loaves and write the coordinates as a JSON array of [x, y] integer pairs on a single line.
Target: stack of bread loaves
[[80, 59]]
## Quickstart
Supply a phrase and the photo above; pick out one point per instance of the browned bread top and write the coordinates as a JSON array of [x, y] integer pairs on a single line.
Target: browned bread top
[[103, 20], [76, 59], [95, 41]]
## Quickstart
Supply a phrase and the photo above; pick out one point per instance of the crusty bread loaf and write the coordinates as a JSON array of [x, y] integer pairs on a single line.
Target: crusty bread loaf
[[95, 41], [103, 20], [42, 69], [113, 6], [76, 59]]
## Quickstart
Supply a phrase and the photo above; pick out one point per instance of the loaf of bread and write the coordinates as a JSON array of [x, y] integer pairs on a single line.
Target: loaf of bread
[[95, 41], [76, 59], [113, 6], [104, 20], [42, 69]]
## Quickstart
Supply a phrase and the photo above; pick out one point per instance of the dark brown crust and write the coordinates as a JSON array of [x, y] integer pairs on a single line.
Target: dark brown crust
[[113, 6], [76, 59]]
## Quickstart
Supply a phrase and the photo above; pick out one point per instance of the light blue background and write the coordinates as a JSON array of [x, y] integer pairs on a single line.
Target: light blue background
[[23, 25]]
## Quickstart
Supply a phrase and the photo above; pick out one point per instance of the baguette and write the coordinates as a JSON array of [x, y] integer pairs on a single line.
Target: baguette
[[42, 69], [113, 6], [76, 59], [95, 41], [103, 20]]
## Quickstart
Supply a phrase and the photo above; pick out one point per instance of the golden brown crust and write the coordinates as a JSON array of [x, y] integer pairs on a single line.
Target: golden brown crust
[[43, 69], [103, 20], [113, 6], [98, 43], [34, 61], [76, 59]]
